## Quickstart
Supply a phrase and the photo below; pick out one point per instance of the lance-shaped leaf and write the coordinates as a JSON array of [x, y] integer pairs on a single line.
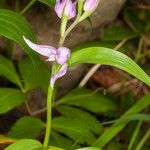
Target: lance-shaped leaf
[[118, 125], [106, 56]]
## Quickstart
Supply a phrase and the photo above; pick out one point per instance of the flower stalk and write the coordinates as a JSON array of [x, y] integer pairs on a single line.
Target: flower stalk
[[49, 117]]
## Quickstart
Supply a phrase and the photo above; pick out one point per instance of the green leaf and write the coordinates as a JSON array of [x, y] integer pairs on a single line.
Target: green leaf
[[26, 127], [48, 2], [25, 144], [89, 148], [76, 114], [34, 77], [74, 129], [117, 127], [138, 116], [94, 102], [13, 26], [55, 148], [106, 56], [10, 98], [8, 70], [62, 141], [123, 32]]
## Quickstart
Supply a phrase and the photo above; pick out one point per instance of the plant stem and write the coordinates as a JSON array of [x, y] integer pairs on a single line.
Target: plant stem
[[134, 136], [62, 39], [144, 139], [138, 54], [29, 5], [49, 116]]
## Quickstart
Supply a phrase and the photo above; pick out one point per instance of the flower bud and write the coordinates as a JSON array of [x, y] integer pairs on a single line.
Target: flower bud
[[90, 5], [65, 7]]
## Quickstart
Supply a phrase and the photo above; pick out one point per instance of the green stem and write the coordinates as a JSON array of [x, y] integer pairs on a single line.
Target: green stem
[[62, 39], [29, 5], [134, 136], [143, 141], [49, 116], [138, 54]]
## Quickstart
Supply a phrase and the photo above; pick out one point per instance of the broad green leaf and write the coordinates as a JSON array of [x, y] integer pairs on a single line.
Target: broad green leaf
[[117, 127], [62, 141], [94, 102], [74, 129], [25, 144], [123, 32], [13, 26], [10, 98], [106, 56], [77, 114], [8, 70], [48, 2], [34, 77], [26, 127], [89, 148]]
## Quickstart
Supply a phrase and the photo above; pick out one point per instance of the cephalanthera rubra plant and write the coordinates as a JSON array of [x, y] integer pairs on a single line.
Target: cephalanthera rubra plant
[[62, 58], [66, 10]]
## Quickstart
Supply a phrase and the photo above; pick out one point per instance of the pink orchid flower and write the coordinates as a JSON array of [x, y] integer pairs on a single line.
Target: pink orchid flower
[[60, 55], [66, 7]]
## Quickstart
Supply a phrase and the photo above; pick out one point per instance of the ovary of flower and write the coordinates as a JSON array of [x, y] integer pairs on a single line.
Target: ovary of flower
[[60, 55], [65, 7]]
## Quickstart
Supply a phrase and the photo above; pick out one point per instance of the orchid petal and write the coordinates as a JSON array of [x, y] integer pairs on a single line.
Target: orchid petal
[[61, 73], [44, 50], [59, 7], [62, 55]]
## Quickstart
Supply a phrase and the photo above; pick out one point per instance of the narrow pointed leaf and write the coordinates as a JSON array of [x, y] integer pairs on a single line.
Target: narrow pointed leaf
[[107, 136], [106, 56]]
